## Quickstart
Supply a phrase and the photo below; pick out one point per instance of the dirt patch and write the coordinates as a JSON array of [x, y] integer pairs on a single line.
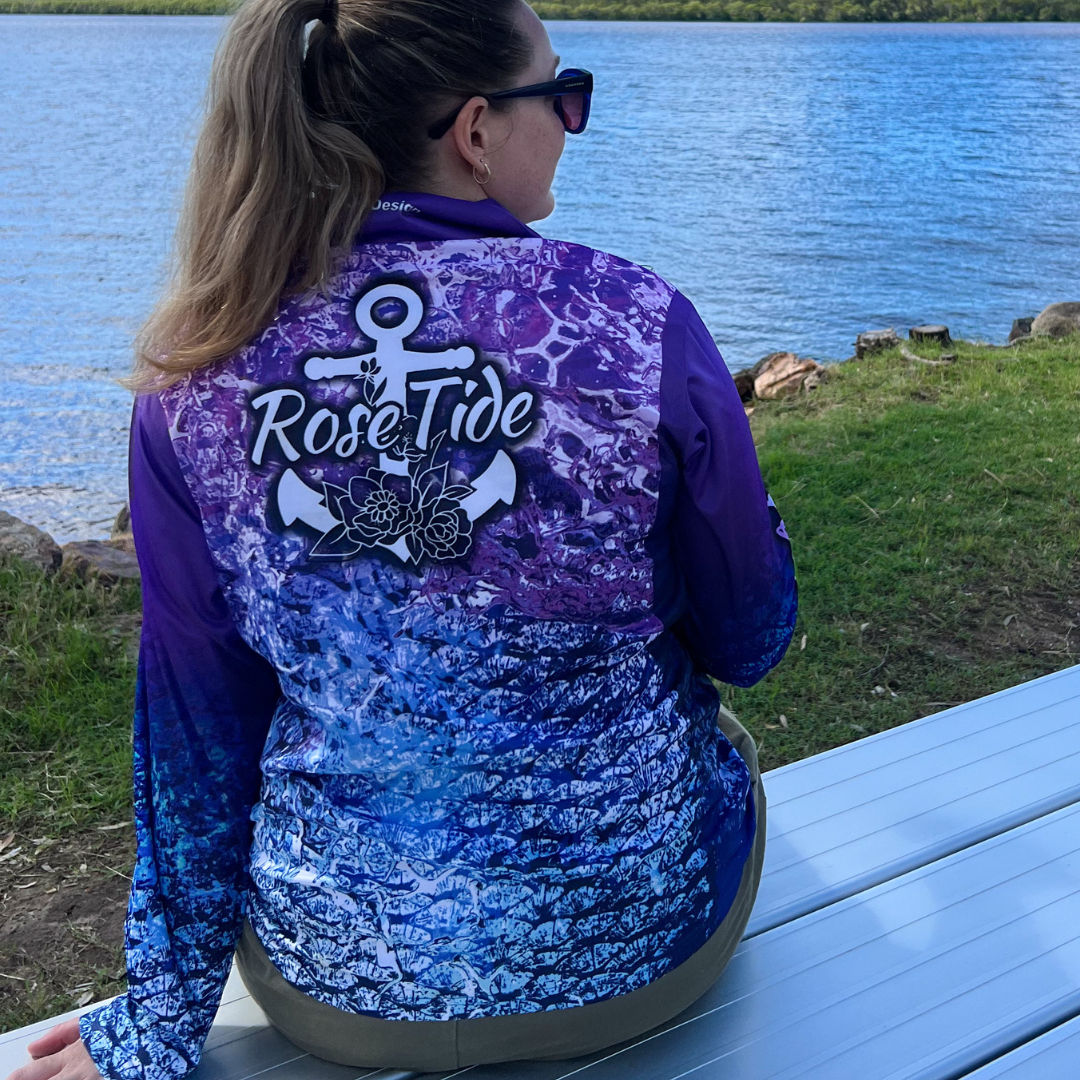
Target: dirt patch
[[1001, 620], [62, 906], [1041, 624]]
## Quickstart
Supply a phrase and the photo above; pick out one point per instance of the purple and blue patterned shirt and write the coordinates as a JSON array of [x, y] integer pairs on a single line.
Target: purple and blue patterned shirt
[[435, 573]]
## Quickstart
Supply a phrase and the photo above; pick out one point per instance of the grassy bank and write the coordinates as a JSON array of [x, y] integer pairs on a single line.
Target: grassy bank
[[66, 691], [663, 10], [67, 683], [935, 520]]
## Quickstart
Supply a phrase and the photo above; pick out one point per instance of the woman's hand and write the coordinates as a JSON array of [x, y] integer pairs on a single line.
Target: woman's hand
[[61, 1055]]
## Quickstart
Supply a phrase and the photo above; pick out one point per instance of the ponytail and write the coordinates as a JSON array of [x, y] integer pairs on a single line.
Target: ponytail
[[306, 126]]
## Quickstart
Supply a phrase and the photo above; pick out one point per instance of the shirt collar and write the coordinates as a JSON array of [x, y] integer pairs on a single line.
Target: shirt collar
[[404, 216]]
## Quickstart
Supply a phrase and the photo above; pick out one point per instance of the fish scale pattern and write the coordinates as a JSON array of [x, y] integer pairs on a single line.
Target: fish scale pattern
[[494, 784]]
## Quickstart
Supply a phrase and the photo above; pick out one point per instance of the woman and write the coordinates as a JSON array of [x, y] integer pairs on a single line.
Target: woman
[[443, 531]]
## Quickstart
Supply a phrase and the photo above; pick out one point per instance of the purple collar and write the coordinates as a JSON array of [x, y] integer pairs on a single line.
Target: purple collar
[[404, 216]]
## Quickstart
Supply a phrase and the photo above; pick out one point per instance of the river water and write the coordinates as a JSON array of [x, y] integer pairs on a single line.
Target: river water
[[800, 183]]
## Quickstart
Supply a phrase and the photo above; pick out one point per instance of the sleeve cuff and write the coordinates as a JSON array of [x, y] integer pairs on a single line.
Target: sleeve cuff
[[125, 1043]]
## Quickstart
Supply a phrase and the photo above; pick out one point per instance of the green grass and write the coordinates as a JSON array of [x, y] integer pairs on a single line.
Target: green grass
[[927, 506], [678, 10], [67, 686]]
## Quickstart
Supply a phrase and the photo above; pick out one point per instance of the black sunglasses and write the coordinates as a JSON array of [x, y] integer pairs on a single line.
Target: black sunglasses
[[571, 90]]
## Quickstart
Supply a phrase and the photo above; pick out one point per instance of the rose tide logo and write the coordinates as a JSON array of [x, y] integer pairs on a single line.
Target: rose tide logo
[[407, 409]]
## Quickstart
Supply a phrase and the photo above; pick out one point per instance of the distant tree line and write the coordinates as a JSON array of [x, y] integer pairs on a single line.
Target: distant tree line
[[117, 7], [683, 10], [814, 10]]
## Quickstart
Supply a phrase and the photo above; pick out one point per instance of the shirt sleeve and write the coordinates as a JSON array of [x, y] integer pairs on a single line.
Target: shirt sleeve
[[204, 701], [724, 576]]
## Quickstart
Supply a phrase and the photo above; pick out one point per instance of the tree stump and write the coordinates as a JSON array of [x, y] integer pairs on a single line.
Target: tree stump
[[873, 340], [1021, 328], [121, 526], [121, 536], [939, 334]]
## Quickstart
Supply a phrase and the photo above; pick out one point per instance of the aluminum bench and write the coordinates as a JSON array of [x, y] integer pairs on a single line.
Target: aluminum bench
[[919, 918], [867, 812], [1053, 1056]]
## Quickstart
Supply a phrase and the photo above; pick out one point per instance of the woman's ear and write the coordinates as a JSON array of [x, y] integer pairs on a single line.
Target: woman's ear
[[471, 131]]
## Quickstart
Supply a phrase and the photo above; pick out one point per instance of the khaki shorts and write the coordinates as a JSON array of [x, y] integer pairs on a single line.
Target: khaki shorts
[[444, 1045]]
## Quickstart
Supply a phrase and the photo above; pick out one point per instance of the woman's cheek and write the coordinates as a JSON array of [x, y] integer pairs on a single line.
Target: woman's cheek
[[554, 143]]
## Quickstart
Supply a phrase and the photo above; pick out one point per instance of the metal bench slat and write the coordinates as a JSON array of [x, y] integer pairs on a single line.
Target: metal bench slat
[[921, 978], [853, 817], [808, 776], [1053, 1056]]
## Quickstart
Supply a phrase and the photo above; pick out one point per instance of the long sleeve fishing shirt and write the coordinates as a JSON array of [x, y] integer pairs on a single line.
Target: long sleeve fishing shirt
[[435, 573]]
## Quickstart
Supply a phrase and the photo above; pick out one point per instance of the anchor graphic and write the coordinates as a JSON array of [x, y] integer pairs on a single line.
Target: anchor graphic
[[396, 363]]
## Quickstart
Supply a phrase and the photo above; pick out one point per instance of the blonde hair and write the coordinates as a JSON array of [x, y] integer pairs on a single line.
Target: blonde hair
[[306, 126]]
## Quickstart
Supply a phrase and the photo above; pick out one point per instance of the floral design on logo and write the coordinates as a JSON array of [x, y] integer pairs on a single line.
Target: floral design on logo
[[420, 515], [376, 509], [445, 532]]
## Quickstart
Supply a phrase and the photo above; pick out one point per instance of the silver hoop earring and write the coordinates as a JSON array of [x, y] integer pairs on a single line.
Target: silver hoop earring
[[486, 178]]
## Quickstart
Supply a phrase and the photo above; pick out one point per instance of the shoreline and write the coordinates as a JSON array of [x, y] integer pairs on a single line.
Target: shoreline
[[782, 371]]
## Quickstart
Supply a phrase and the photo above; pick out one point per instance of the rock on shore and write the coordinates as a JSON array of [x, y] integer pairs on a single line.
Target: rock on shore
[[1057, 321], [105, 561], [777, 375], [29, 543]]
